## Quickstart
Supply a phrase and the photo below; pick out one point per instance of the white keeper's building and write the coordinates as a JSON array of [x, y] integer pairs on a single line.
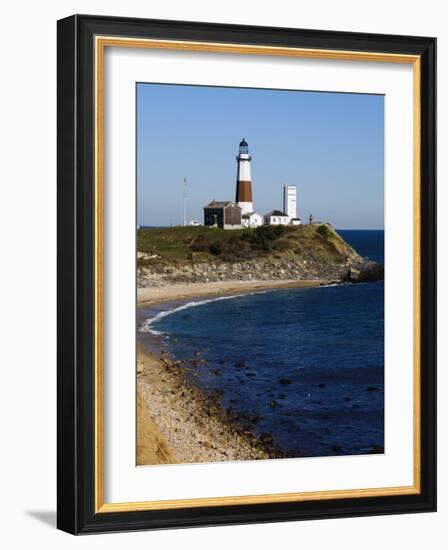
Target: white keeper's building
[[252, 219], [276, 217], [287, 216]]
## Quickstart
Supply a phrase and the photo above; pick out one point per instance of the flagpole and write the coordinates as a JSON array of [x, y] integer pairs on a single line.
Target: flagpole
[[185, 202]]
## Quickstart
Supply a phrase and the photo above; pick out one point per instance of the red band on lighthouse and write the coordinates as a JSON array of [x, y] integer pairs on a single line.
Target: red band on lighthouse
[[243, 191]]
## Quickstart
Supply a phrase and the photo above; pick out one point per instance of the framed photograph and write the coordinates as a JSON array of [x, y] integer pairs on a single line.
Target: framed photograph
[[246, 274]]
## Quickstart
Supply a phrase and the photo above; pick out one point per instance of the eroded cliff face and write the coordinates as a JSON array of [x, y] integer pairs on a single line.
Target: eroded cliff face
[[305, 253]]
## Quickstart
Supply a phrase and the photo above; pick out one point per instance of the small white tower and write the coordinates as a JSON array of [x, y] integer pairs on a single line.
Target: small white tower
[[244, 180], [290, 201]]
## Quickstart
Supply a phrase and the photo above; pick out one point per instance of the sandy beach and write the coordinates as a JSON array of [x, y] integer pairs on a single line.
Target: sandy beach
[[176, 423], [152, 295]]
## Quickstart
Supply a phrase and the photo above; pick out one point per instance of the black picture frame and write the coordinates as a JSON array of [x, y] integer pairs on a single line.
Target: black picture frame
[[76, 255]]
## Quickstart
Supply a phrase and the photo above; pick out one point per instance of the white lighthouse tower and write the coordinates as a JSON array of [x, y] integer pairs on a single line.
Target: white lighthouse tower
[[290, 204], [244, 180], [290, 201]]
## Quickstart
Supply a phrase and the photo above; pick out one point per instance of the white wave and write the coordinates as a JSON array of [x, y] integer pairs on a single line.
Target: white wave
[[147, 326]]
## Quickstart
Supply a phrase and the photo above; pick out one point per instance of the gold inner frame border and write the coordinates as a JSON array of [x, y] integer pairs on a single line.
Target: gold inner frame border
[[101, 42]]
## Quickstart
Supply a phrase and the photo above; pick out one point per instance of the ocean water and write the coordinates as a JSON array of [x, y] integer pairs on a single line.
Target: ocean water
[[304, 365]]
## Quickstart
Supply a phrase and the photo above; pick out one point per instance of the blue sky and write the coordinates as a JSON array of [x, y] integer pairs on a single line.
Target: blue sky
[[330, 145]]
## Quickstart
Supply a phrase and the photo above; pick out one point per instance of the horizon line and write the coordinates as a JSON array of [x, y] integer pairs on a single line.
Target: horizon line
[[336, 228]]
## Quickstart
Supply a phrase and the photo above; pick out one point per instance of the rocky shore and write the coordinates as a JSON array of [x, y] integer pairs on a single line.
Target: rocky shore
[[353, 269], [176, 422]]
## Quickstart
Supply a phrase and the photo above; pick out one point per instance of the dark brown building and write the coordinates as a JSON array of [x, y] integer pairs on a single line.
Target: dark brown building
[[223, 214]]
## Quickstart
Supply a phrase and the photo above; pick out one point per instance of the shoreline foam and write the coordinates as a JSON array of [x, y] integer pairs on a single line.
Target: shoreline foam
[[147, 324], [148, 296]]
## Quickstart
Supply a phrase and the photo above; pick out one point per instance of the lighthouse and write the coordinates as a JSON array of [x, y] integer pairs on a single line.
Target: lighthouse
[[244, 180]]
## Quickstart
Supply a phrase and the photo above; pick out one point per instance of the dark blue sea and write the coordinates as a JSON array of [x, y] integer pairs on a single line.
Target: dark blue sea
[[304, 365]]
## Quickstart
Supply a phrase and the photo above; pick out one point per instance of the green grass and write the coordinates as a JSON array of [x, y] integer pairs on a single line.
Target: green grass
[[177, 243], [187, 244]]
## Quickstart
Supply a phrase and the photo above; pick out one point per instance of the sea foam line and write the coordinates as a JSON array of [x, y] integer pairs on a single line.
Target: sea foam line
[[147, 326]]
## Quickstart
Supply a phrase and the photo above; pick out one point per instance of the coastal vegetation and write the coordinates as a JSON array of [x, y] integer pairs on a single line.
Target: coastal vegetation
[[187, 244], [173, 255]]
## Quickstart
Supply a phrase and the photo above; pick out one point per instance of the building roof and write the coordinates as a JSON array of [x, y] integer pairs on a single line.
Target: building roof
[[249, 214], [219, 204], [277, 213]]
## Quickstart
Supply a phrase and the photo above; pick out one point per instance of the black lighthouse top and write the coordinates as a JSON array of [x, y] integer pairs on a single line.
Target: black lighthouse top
[[244, 148]]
